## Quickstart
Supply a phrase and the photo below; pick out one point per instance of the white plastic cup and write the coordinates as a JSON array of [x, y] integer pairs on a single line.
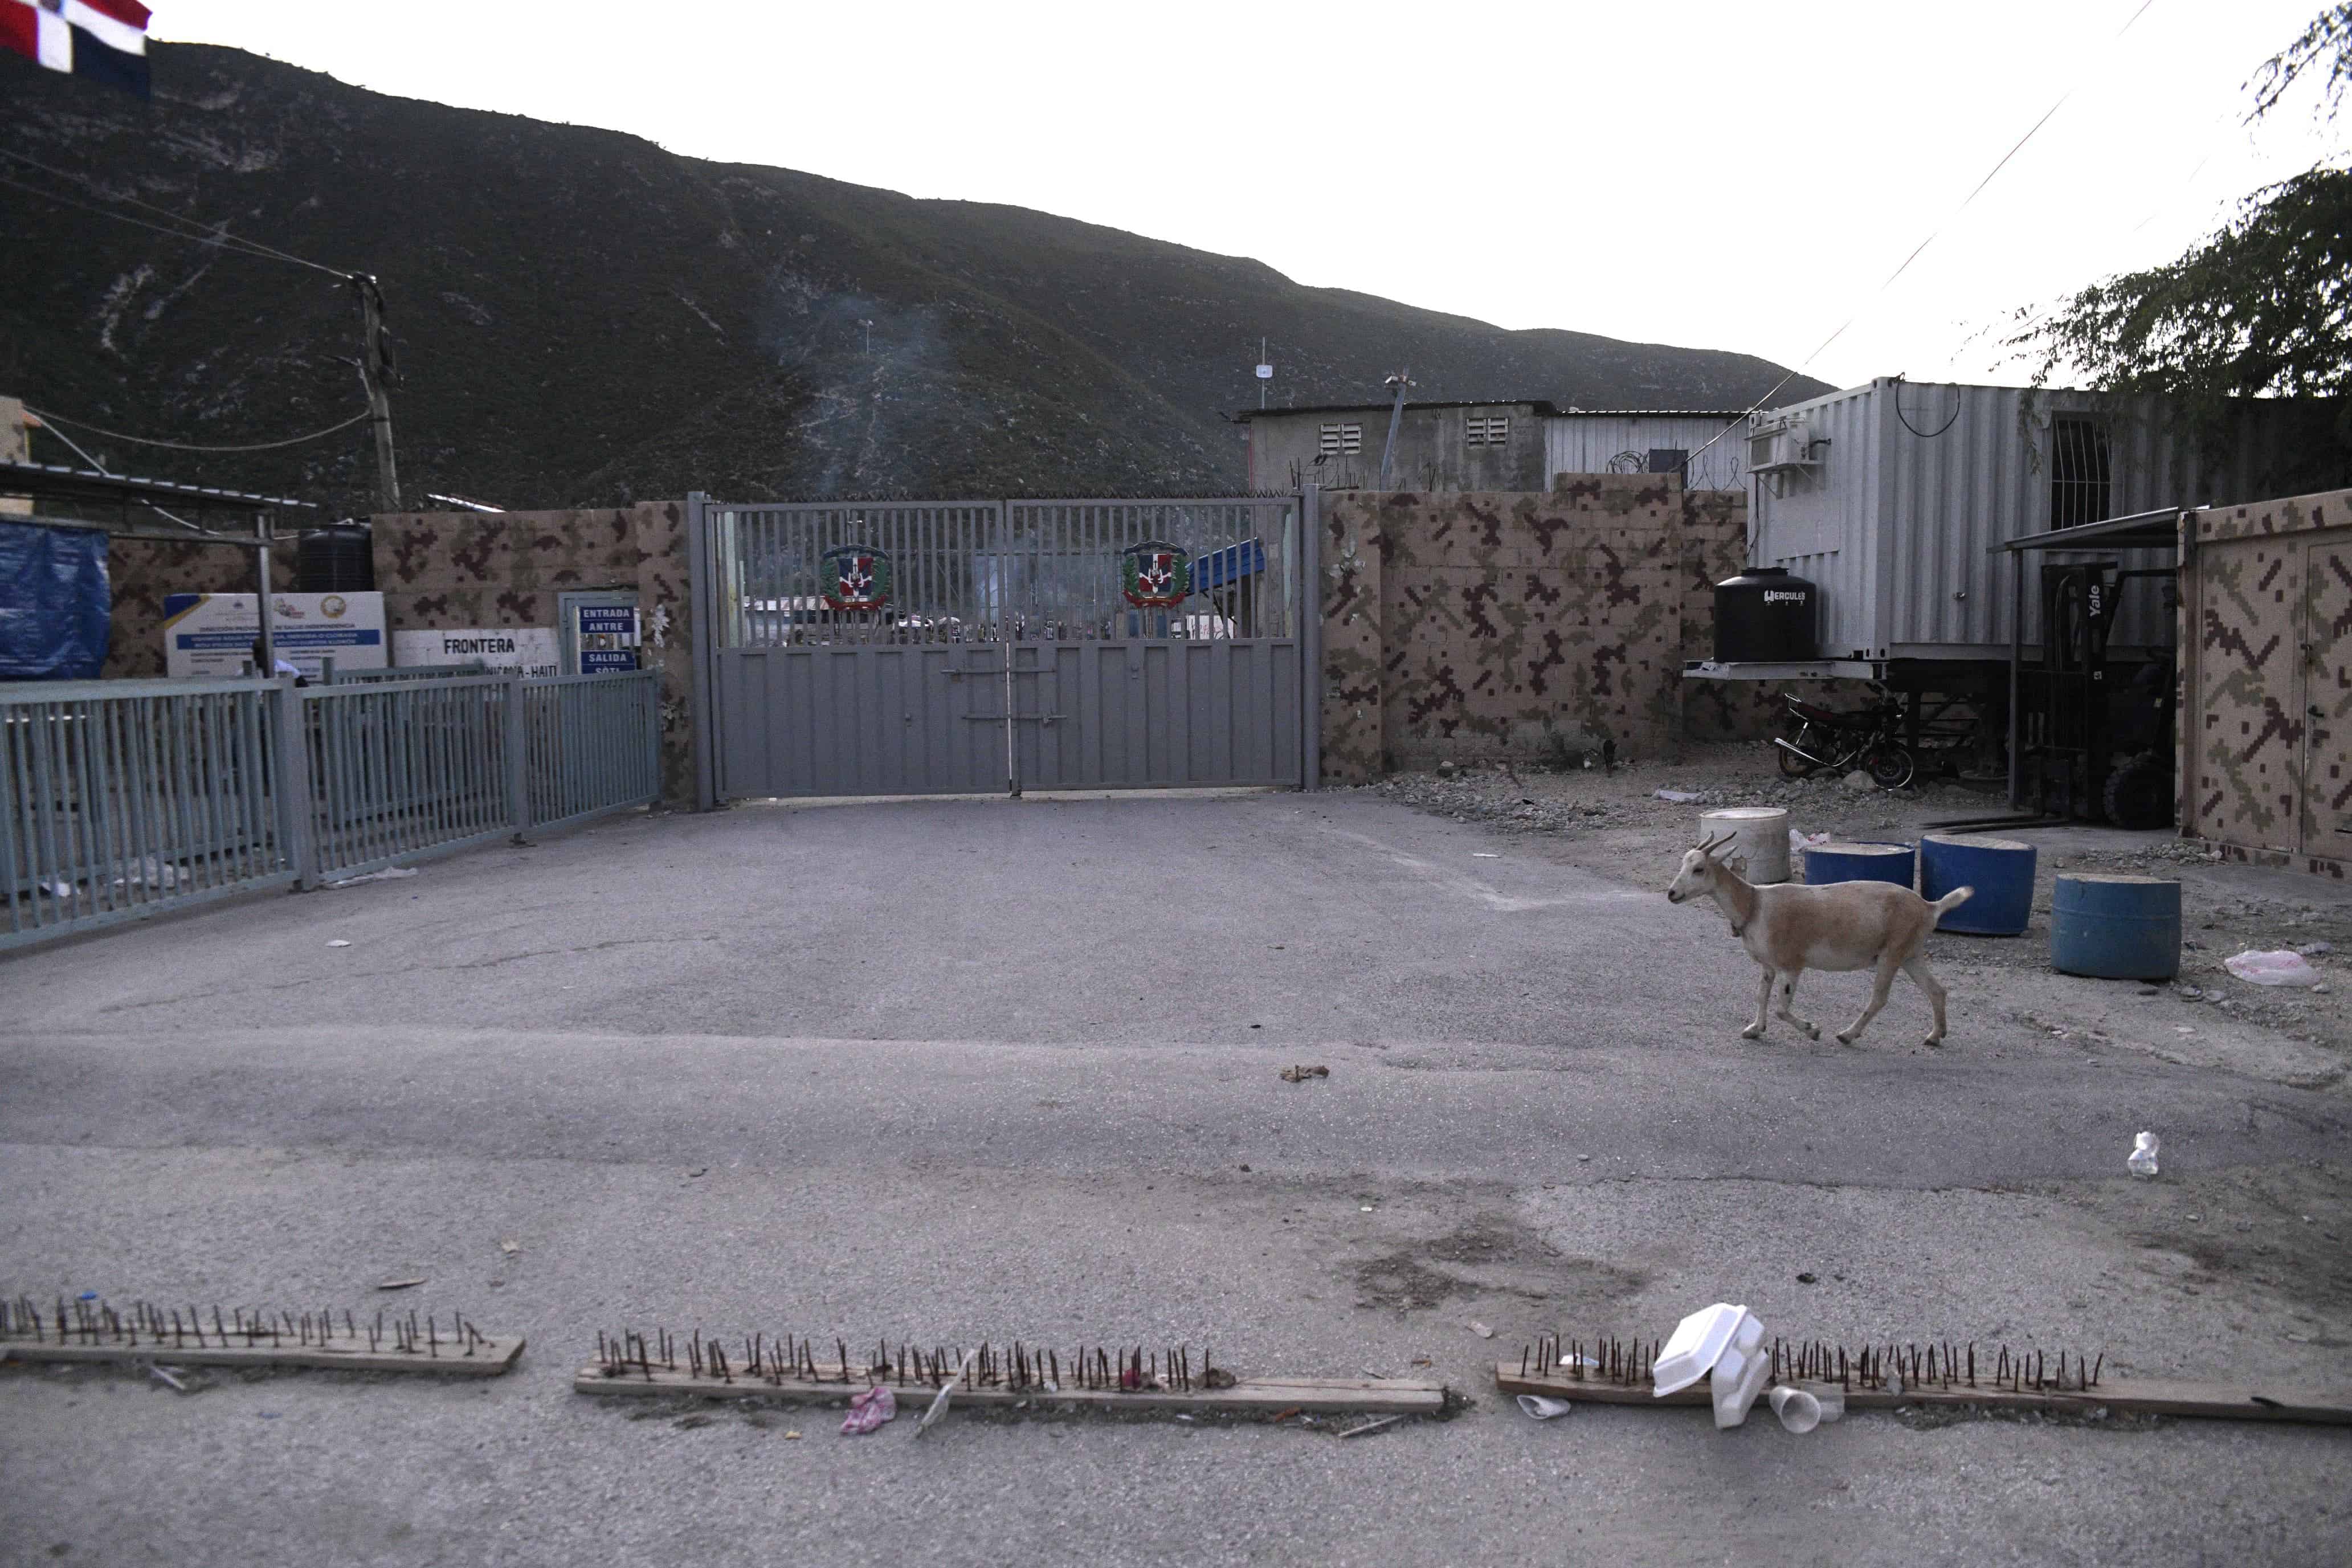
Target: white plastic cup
[[1799, 1411]]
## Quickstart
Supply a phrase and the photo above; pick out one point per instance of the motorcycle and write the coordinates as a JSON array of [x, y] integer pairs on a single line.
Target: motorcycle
[[1841, 742]]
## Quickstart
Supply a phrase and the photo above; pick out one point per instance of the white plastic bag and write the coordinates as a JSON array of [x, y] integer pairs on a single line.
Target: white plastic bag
[[2284, 967]]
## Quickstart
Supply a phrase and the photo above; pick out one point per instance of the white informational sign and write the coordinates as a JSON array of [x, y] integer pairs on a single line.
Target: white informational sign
[[211, 636], [530, 649]]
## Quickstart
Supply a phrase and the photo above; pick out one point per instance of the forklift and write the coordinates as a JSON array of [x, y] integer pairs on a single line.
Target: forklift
[[2096, 736]]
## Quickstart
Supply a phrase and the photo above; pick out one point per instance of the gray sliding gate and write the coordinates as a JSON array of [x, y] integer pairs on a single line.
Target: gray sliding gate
[[954, 647]]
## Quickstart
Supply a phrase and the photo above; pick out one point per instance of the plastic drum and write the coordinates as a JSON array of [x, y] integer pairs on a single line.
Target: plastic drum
[[1761, 835], [1827, 863], [2000, 869], [2115, 927]]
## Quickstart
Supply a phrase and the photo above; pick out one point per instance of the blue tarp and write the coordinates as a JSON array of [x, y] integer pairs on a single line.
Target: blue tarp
[[1231, 564], [54, 602]]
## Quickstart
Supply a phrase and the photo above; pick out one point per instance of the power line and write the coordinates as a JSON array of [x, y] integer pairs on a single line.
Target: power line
[[217, 240], [1933, 235], [184, 446], [255, 246]]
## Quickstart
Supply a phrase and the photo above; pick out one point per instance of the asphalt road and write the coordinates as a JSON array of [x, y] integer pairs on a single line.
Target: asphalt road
[[950, 1070]]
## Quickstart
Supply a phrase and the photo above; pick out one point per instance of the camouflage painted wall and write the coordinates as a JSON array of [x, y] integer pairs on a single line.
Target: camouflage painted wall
[[1352, 648], [2265, 731], [447, 571], [142, 576], [1518, 623]]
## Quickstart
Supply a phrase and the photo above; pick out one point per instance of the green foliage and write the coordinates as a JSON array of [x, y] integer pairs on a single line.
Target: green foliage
[[2261, 308], [2328, 42]]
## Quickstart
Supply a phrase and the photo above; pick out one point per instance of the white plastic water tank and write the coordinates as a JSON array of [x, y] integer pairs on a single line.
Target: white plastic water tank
[[1761, 839]]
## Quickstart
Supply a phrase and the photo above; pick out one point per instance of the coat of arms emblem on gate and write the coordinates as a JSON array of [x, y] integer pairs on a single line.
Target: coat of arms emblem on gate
[[1155, 574], [855, 577]]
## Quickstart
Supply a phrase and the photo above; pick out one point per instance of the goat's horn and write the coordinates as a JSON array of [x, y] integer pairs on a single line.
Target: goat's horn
[[1712, 845]]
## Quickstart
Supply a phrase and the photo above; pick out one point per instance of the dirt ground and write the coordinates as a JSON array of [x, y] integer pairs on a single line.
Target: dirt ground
[[1614, 824]]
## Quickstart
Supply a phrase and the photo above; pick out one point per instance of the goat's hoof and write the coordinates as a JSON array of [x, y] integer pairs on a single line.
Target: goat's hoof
[[1847, 1038], [1933, 1041], [1753, 1031], [1812, 1031]]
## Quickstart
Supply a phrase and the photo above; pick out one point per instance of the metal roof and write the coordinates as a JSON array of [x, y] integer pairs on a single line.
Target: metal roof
[[1537, 404], [1542, 406], [2157, 530], [50, 482]]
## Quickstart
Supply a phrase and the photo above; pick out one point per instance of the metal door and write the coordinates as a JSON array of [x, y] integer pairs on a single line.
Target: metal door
[[2326, 784], [957, 647]]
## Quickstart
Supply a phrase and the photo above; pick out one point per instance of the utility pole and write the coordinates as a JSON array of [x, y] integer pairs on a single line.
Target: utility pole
[[376, 370], [1401, 382]]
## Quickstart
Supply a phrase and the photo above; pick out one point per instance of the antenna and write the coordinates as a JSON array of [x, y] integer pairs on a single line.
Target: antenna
[[1400, 382], [1265, 372]]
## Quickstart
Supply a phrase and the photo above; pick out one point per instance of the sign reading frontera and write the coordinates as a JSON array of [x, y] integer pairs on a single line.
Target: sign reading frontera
[[530, 649], [855, 577], [1155, 574]]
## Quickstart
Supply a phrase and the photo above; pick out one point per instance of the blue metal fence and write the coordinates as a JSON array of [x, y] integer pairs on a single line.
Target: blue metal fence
[[122, 798], [401, 770], [592, 740], [119, 799]]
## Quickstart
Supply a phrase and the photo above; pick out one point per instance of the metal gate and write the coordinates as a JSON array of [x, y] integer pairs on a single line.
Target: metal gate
[[957, 647]]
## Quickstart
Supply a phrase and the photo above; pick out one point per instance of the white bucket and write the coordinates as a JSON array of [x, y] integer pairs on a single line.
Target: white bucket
[[1762, 839]]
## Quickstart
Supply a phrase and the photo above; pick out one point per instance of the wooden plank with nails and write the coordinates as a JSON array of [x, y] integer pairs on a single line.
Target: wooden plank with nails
[[1258, 1395], [2138, 1397], [492, 1354]]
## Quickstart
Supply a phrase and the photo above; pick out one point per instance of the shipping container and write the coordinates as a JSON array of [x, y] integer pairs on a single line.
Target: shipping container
[[1890, 497]]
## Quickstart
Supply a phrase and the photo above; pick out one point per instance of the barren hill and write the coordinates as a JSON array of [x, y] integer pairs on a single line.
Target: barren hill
[[582, 316]]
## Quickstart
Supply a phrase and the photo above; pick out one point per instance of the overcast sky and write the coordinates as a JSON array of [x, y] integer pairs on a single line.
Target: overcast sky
[[1735, 175]]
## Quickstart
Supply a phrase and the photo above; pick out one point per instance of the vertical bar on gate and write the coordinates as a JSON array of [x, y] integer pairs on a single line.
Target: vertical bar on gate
[[11, 873], [1005, 644], [517, 758], [703, 626], [293, 760], [1307, 594], [2016, 657]]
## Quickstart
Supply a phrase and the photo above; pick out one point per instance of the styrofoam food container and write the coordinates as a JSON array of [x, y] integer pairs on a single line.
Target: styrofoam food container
[[1738, 1376], [1691, 1350]]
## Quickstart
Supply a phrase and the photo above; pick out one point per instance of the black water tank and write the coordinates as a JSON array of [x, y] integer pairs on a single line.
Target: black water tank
[[337, 559], [1763, 615]]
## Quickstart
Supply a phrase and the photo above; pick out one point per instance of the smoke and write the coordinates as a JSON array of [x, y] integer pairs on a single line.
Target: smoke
[[876, 375]]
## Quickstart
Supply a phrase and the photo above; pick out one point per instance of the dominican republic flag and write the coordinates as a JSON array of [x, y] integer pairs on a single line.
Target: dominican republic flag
[[105, 40]]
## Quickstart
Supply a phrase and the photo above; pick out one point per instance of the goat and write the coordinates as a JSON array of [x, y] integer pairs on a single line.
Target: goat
[[1792, 928]]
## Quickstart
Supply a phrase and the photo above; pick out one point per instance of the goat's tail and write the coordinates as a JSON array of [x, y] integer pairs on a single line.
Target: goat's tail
[[1951, 900]]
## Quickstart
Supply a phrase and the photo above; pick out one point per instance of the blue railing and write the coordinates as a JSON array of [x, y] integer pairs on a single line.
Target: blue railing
[[119, 799]]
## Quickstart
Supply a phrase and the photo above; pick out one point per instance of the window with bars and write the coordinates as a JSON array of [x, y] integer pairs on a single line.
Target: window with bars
[[1341, 438], [2081, 483], [1489, 430]]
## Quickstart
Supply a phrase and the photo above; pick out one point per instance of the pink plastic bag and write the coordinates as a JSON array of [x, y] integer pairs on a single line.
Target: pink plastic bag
[[869, 1410], [2284, 967]]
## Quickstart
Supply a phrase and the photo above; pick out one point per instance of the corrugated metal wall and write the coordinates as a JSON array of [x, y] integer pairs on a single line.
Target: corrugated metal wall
[[1918, 481], [1588, 442]]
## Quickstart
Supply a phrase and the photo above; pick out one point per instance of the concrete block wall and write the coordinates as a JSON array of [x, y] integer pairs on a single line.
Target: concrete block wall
[[454, 570], [142, 575], [1512, 623], [2265, 732]]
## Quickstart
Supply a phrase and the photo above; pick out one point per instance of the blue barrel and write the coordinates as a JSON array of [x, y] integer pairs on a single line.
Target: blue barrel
[[2115, 927], [1827, 863], [2000, 869]]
